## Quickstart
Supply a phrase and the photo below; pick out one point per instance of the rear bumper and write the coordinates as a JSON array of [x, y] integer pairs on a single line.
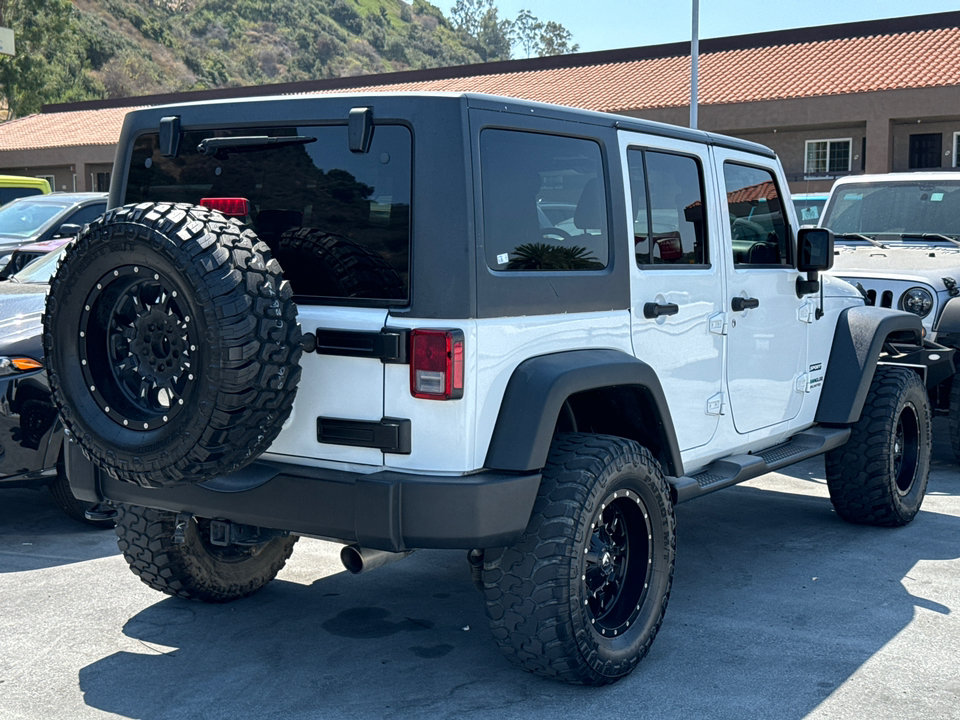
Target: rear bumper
[[384, 511]]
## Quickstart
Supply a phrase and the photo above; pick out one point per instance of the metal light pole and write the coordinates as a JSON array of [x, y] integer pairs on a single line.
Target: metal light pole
[[694, 58]]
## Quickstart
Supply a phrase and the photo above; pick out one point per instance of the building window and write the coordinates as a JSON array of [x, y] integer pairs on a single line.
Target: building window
[[101, 182], [827, 156], [925, 151], [52, 180]]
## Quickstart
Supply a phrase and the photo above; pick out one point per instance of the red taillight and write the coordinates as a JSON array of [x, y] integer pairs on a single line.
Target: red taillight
[[231, 207], [436, 364]]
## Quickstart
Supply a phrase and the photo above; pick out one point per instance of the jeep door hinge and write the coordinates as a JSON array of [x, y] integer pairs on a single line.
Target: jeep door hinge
[[716, 404], [807, 313], [718, 323]]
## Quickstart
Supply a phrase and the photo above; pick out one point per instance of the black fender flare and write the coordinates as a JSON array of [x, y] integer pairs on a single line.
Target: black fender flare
[[538, 389], [857, 342], [949, 321]]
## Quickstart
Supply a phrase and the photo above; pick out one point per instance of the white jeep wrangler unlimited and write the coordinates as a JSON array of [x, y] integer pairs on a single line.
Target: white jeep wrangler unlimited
[[461, 321], [898, 240]]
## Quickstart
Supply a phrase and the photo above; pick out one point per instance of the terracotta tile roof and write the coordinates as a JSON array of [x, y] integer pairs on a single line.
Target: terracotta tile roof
[[63, 129], [921, 57], [929, 58]]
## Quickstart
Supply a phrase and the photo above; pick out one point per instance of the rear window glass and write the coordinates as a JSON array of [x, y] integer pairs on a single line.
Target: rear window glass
[[544, 202], [337, 221]]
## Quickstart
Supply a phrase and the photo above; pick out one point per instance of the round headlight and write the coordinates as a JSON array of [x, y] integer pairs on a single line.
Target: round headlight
[[917, 301]]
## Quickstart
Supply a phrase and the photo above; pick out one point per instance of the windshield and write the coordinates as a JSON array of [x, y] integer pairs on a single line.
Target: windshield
[[41, 269], [909, 208], [26, 218]]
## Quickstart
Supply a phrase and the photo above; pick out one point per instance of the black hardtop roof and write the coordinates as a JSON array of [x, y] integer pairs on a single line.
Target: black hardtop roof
[[477, 100]]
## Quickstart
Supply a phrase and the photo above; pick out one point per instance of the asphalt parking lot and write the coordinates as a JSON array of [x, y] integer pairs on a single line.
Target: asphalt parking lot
[[779, 610]]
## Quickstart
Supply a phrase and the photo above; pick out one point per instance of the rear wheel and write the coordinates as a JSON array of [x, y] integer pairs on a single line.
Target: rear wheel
[[879, 476], [195, 569], [172, 342], [582, 594]]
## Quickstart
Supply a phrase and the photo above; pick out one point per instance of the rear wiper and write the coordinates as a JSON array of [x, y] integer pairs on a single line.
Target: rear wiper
[[931, 236], [859, 236], [253, 143]]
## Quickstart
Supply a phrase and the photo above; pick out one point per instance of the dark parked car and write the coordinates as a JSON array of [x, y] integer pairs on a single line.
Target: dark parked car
[[31, 436], [39, 219]]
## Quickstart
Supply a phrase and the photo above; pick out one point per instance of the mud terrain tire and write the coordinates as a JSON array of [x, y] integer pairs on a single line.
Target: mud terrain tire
[[195, 569], [580, 597], [173, 344], [880, 475]]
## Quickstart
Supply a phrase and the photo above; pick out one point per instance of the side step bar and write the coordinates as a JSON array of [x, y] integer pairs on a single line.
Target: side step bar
[[738, 468]]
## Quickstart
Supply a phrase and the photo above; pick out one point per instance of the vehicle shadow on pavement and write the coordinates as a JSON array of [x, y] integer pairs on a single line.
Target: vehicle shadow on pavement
[[35, 534], [776, 604]]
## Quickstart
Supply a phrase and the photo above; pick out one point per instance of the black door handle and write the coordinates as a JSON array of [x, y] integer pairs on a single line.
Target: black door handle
[[740, 304], [654, 310]]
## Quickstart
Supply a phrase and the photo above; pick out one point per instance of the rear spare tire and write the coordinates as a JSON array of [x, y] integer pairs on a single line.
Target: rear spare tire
[[172, 343]]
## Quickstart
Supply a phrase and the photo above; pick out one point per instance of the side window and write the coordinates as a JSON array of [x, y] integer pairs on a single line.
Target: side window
[[757, 223], [668, 207], [544, 202]]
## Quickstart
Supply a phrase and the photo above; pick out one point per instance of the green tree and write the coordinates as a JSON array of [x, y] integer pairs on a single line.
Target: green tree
[[51, 62], [539, 39], [481, 28], [555, 40]]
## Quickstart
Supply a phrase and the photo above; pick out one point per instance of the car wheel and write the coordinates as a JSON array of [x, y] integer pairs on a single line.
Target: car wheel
[[172, 344], [879, 476], [581, 596], [194, 568]]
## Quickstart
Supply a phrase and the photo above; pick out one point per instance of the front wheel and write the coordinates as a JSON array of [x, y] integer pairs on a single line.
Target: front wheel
[[581, 596], [195, 569], [879, 476]]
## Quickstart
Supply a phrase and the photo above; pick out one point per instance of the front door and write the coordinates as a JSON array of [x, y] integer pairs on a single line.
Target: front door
[[767, 334]]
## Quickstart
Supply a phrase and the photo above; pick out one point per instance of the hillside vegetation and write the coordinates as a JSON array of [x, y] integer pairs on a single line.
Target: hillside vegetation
[[93, 49]]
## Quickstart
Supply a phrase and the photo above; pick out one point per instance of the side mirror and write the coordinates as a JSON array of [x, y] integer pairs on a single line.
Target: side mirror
[[815, 249], [68, 230], [814, 253]]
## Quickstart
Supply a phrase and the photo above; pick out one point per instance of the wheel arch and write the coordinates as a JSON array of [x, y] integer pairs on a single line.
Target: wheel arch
[[611, 392], [949, 321], [857, 342]]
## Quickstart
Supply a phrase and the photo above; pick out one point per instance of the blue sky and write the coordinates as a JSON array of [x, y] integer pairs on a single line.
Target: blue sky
[[608, 24]]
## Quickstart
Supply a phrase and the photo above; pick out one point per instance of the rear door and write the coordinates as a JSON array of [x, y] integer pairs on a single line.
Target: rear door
[[338, 222], [677, 278]]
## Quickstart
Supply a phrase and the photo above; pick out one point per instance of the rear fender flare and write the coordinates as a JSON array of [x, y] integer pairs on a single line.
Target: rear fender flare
[[538, 389]]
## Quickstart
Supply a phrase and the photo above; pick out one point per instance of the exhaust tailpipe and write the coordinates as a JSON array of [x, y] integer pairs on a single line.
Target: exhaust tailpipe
[[358, 560]]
